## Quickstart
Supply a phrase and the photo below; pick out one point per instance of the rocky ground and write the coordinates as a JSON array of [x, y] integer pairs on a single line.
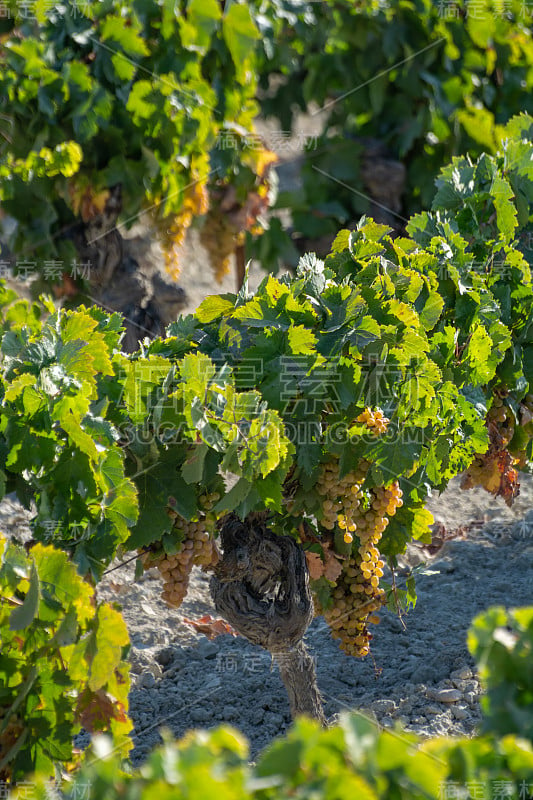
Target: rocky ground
[[420, 673]]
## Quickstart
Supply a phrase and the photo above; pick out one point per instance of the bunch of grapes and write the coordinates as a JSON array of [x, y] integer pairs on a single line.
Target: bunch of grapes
[[355, 597], [527, 402], [341, 496], [495, 470], [197, 548], [376, 421], [502, 417], [172, 231], [526, 428], [220, 238], [8, 739], [357, 594], [362, 516]]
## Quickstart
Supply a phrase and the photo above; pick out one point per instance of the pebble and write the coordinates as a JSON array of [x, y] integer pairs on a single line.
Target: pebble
[[383, 706], [212, 682], [207, 649], [406, 705], [165, 656], [258, 716], [387, 722], [145, 639], [393, 624], [147, 680], [275, 719], [460, 712], [420, 731], [145, 720], [445, 695], [461, 674], [430, 710], [444, 565], [200, 715], [461, 685], [425, 672], [471, 698]]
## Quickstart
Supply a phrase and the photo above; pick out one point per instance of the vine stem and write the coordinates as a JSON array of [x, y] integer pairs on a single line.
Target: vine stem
[[261, 587]]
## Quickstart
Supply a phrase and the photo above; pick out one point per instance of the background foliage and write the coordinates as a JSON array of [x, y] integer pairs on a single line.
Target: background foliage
[[426, 80], [61, 664], [137, 94]]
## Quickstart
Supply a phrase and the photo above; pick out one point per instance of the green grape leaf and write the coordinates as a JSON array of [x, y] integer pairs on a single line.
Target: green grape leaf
[[111, 637], [422, 519], [16, 387], [234, 496], [506, 213], [193, 468], [270, 491], [23, 616], [301, 340], [127, 36], [240, 35], [213, 307], [202, 20]]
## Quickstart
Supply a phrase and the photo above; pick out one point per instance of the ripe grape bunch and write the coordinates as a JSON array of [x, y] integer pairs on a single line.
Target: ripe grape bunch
[[220, 238], [495, 470], [197, 548], [363, 517], [357, 595], [8, 739], [172, 232], [342, 495]]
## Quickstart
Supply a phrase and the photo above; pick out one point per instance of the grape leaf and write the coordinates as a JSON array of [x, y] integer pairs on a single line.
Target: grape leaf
[[23, 616]]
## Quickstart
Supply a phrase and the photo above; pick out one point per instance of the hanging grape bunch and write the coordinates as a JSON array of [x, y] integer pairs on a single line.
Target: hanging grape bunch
[[220, 238], [362, 516], [9, 737], [526, 431], [197, 548], [496, 469], [232, 212], [173, 230]]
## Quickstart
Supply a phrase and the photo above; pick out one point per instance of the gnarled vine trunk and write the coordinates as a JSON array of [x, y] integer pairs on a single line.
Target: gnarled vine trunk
[[119, 282], [261, 587]]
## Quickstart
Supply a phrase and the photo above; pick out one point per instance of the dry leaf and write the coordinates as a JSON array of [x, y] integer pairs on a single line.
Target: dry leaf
[[315, 565], [210, 627], [332, 567]]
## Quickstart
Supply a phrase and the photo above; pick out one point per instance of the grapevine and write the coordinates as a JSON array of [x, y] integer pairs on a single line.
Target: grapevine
[[146, 139], [407, 321]]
